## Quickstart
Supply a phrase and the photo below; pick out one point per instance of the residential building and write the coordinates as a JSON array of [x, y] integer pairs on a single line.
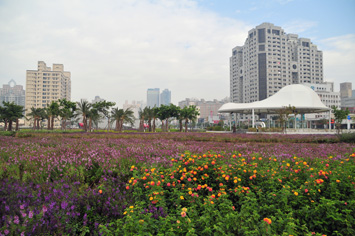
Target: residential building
[[153, 97], [165, 97], [12, 92], [45, 85], [269, 60]]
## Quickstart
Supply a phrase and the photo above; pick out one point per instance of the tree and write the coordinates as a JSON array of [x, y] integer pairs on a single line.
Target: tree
[[11, 113], [189, 113], [339, 116], [283, 115], [66, 111], [173, 111], [163, 114], [104, 107], [149, 117], [37, 114], [117, 115], [155, 111], [127, 117], [52, 112], [83, 108], [142, 114]]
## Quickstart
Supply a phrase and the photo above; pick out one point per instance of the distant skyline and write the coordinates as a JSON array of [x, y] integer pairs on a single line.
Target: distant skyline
[[119, 49]]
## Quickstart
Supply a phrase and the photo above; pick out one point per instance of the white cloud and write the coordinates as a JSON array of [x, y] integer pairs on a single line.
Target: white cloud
[[299, 26], [119, 49], [339, 59]]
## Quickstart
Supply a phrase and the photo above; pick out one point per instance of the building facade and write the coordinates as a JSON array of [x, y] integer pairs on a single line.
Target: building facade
[[12, 92], [327, 96], [135, 106], [165, 97], [153, 95], [207, 109], [45, 85], [269, 60], [346, 90], [347, 96]]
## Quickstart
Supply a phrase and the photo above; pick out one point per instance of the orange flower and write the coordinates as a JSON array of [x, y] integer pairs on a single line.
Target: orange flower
[[100, 191], [183, 214], [267, 220]]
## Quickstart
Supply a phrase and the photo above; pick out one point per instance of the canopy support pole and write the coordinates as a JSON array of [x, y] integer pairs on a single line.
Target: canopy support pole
[[253, 118]]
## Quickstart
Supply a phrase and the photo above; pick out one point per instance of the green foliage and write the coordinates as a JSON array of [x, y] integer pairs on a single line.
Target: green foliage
[[347, 138], [339, 116], [214, 194]]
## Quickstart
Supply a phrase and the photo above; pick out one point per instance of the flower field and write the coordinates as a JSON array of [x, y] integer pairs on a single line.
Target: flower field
[[176, 184]]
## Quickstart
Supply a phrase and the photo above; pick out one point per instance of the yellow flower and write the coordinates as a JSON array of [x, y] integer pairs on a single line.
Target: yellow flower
[[296, 193], [182, 197], [184, 209], [141, 221], [131, 207]]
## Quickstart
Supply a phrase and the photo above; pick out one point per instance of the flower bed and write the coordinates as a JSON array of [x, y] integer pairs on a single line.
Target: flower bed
[[140, 183]]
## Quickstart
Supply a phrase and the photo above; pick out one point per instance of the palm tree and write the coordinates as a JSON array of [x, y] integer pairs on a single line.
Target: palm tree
[[122, 116], [51, 112], [84, 109], [37, 114], [149, 117], [142, 113], [155, 111], [117, 114], [128, 117], [189, 113]]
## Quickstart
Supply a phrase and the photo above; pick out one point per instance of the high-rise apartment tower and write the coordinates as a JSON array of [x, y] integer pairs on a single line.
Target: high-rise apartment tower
[[269, 60], [45, 85], [14, 93], [153, 97], [165, 97]]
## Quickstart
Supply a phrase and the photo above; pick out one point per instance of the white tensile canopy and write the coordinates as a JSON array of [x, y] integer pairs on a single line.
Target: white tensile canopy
[[303, 98]]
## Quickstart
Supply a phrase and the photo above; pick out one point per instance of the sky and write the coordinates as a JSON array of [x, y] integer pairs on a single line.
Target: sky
[[117, 49]]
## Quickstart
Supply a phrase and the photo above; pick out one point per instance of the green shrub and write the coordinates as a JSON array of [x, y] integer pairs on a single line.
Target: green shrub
[[347, 137]]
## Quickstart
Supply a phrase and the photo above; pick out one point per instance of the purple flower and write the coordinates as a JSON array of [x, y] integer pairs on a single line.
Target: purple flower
[[23, 214], [6, 232], [16, 220], [64, 205], [44, 209], [7, 208], [22, 206], [30, 214], [23, 234]]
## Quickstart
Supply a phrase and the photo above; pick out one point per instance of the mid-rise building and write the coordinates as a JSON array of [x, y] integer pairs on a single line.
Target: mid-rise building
[[207, 109], [45, 85], [327, 95], [135, 106], [165, 97], [346, 90], [269, 60], [347, 96], [153, 95], [12, 92], [97, 99]]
